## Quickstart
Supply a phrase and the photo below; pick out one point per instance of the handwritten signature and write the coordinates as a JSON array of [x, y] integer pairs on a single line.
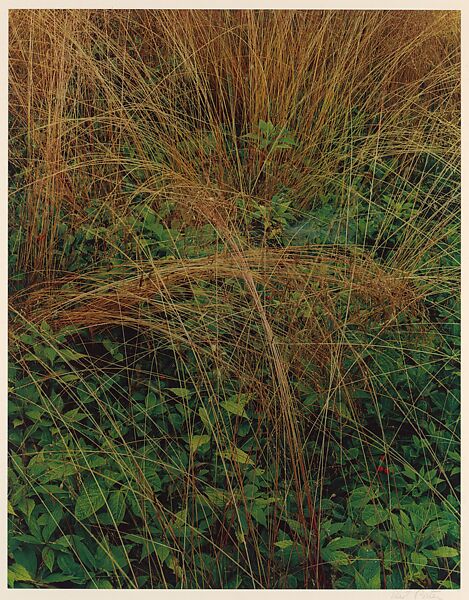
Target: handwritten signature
[[415, 595]]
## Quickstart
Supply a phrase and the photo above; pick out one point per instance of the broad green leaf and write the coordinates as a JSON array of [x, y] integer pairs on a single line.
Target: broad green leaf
[[52, 523], [400, 532], [74, 416], [374, 515], [11, 510], [101, 584], [59, 578], [335, 557], [50, 354], [27, 559], [258, 512], [83, 553], [235, 406], [92, 497], [361, 496], [48, 557], [237, 455], [343, 542], [367, 570], [46, 327], [444, 552], [19, 573], [448, 584], [116, 505], [198, 440], [205, 418], [162, 551], [418, 560]]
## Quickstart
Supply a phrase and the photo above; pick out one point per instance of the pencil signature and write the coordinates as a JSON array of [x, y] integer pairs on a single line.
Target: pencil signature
[[415, 595]]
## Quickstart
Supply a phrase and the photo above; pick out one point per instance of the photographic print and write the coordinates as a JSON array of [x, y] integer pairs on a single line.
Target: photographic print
[[234, 299]]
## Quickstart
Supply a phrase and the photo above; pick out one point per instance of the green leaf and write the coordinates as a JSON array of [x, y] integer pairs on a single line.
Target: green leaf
[[46, 327], [283, 544], [335, 557], [74, 416], [59, 578], [48, 556], [50, 354], [162, 551], [52, 523], [198, 440], [418, 560], [101, 584], [448, 584], [11, 510], [344, 542], [83, 553], [116, 505], [19, 573], [27, 559], [374, 515], [444, 552], [205, 418], [26, 506], [69, 354], [361, 496], [237, 455], [236, 406], [400, 532], [368, 571], [258, 513], [91, 499]]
